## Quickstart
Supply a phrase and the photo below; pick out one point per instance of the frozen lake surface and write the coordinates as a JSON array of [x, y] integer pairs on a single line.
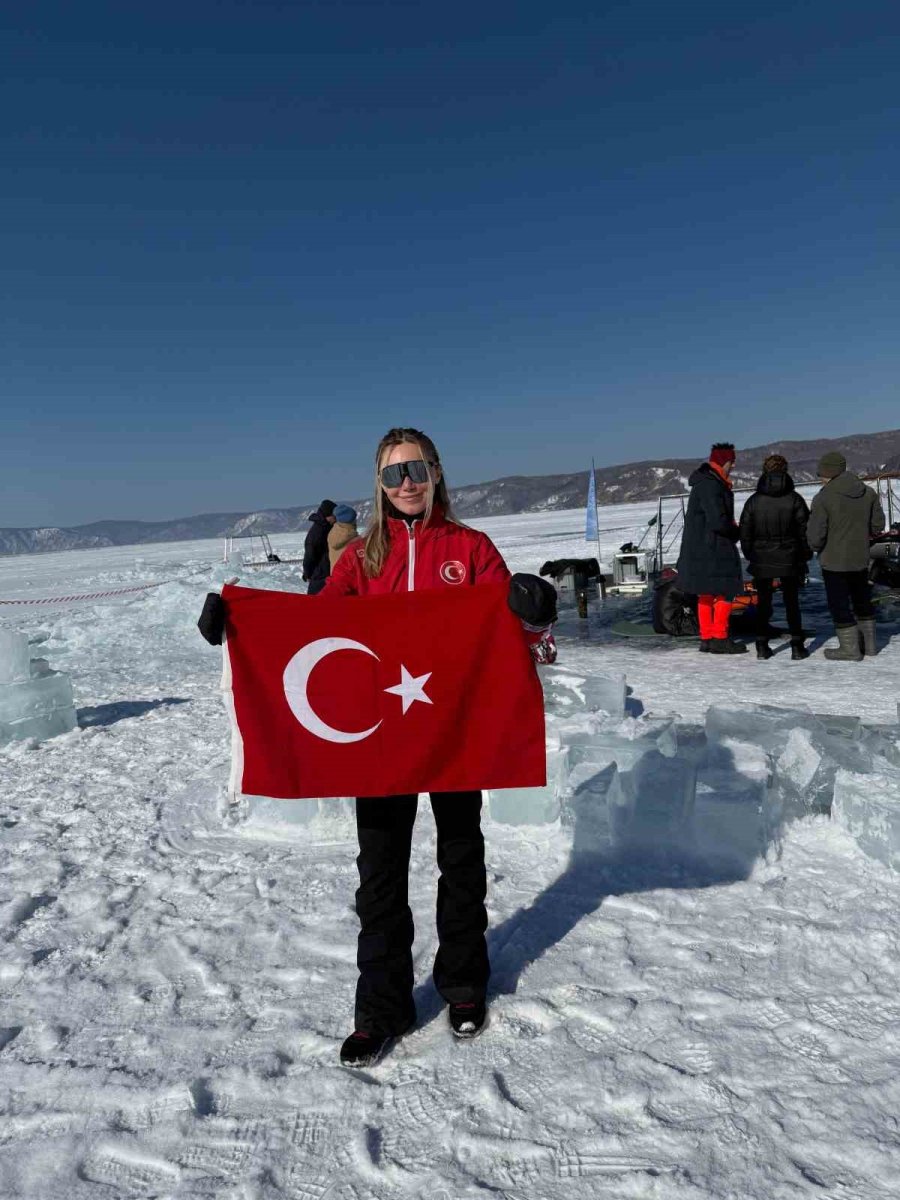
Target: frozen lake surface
[[174, 988]]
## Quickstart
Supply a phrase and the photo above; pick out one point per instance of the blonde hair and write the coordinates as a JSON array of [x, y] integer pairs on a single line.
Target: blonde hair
[[378, 535]]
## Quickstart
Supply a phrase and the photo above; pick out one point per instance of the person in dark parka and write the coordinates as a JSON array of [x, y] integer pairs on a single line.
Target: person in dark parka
[[709, 566], [316, 563], [773, 539]]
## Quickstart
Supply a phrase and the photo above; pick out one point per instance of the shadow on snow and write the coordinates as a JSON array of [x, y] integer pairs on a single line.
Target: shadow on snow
[[725, 836], [123, 710]]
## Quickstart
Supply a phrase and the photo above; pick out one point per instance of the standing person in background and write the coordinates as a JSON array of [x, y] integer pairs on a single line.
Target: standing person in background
[[709, 566], [342, 531], [316, 566], [845, 515], [773, 539]]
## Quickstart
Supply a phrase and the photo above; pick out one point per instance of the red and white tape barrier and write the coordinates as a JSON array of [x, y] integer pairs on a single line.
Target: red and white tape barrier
[[142, 587]]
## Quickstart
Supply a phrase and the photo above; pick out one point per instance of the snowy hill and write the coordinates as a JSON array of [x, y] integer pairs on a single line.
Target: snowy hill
[[672, 1026], [624, 483]]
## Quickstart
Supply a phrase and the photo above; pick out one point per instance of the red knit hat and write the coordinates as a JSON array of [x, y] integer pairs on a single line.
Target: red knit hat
[[722, 453]]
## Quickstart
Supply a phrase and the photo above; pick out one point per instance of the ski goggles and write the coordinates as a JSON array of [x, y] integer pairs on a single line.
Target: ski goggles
[[416, 471]]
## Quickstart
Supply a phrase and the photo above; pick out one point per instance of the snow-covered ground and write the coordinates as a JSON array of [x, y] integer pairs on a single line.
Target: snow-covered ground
[[174, 988]]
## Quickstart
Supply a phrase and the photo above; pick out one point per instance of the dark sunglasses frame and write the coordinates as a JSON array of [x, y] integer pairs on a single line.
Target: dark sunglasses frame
[[416, 471]]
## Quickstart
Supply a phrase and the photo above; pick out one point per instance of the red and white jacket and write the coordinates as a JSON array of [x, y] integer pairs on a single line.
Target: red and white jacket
[[433, 554]]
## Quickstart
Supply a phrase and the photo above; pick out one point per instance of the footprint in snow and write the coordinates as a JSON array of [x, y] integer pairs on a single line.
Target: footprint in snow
[[129, 1169], [690, 1058]]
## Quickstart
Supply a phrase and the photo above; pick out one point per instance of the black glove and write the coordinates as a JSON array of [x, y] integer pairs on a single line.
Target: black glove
[[533, 600], [212, 619], [733, 534]]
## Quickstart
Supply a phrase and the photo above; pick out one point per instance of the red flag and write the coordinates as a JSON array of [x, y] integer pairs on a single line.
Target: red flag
[[431, 691]]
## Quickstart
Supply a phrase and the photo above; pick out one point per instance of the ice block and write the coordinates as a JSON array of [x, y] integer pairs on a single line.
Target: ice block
[[15, 657], [532, 806], [651, 804], [35, 697], [868, 808]]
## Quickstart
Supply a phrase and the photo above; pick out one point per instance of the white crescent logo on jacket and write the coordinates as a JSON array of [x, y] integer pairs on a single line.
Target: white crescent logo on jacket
[[453, 571]]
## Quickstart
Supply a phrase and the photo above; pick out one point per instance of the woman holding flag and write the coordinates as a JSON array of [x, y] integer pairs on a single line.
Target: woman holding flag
[[414, 543]]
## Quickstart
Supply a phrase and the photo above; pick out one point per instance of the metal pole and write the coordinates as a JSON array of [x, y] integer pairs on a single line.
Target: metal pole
[[659, 536], [601, 588]]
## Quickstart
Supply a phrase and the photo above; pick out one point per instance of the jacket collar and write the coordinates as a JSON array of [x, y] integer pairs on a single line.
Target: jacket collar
[[721, 474], [399, 526]]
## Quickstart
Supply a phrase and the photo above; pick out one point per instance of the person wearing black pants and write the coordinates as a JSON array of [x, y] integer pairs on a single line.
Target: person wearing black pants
[[773, 539], [790, 595], [846, 515], [414, 542], [849, 595], [384, 1005]]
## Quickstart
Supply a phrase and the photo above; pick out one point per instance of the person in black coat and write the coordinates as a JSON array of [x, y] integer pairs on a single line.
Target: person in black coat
[[773, 539], [316, 563], [709, 566]]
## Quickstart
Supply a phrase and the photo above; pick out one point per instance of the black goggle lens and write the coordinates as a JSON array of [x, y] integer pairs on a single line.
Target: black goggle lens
[[415, 470]]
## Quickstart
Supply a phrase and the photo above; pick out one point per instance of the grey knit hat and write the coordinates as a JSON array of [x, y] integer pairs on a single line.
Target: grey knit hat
[[831, 464]]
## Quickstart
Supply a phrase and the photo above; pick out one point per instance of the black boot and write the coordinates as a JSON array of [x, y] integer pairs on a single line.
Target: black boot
[[726, 646], [798, 650], [365, 1049], [467, 1020], [763, 650], [704, 646]]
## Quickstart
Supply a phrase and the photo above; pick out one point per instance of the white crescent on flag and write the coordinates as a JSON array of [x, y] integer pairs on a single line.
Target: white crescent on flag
[[296, 682]]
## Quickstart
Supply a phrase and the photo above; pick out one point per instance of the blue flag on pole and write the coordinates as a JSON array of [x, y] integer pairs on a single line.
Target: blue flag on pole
[[591, 533]]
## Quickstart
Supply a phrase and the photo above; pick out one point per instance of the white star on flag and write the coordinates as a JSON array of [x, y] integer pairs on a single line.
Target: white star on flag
[[410, 688]]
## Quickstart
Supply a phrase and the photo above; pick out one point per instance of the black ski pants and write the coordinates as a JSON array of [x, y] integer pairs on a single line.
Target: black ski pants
[[790, 591], [849, 593], [384, 1001]]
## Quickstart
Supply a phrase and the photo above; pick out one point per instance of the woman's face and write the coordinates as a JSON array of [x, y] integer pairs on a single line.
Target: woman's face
[[410, 498]]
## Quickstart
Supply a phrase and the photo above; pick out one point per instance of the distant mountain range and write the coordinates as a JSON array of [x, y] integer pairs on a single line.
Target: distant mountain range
[[866, 454]]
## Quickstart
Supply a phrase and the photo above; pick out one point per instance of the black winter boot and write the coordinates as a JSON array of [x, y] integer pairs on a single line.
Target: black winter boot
[[867, 629], [467, 1020], [798, 650], [726, 646], [763, 649], [704, 646], [848, 649], [365, 1049]]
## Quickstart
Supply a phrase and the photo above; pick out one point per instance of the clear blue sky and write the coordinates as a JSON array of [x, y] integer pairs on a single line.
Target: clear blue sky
[[240, 239]]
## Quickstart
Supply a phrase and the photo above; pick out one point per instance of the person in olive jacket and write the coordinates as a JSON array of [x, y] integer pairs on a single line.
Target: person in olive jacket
[[845, 515], [709, 566], [773, 540]]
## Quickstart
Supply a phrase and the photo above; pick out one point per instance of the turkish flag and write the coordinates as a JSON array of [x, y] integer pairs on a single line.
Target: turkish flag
[[431, 691]]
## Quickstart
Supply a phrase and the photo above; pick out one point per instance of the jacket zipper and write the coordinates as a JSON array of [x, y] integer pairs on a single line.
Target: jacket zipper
[[411, 570]]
